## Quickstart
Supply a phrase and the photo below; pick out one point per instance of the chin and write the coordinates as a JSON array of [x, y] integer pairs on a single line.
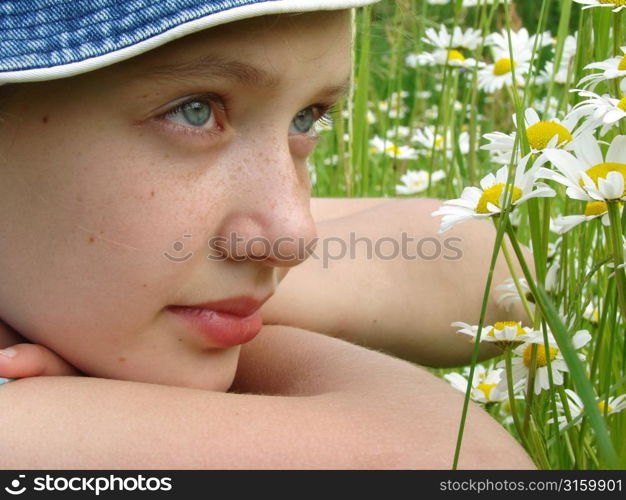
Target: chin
[[217, 380]]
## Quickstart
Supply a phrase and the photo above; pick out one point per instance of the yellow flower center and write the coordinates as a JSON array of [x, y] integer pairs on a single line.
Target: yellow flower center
[[622, 103], [486, 389], [540, 134], [602, 170], [601, 406], [492, 195], [455, 55], [503, 66], [542, 354], [395, 150], [595, 316], [439, 141], [613, 2], [595, 208], [501, 325], [622, 64]]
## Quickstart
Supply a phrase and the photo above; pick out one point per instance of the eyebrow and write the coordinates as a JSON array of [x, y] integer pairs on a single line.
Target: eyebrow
[[214, 67]]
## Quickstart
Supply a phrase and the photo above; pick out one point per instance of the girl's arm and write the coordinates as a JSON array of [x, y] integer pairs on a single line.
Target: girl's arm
[[403, 303], [300, 400]]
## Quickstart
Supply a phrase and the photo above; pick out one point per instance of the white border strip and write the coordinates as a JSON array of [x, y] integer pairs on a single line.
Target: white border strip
[[209, 21]]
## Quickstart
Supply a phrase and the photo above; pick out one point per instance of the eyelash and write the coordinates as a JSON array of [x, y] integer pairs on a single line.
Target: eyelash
[[328, 113]]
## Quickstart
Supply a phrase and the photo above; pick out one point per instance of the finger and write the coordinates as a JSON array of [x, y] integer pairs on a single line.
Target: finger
[[32, 360]]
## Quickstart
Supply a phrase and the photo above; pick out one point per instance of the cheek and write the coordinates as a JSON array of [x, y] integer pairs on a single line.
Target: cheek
[[88, 230]]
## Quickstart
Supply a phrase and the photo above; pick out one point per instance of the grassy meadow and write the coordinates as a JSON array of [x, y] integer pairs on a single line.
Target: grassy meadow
[[514, 113]]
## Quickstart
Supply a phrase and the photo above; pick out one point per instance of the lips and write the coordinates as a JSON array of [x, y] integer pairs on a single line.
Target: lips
[[237, 306], [223, 323]]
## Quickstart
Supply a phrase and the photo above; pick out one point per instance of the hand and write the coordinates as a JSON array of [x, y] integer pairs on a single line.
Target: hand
[[19, 359], [32, 360]]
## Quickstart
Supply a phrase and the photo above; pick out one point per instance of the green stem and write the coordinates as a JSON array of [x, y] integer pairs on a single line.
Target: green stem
[[509, 383], [618, 254], [577, 371], [530, 393], [571, 431], [518, 286], [483, 312]]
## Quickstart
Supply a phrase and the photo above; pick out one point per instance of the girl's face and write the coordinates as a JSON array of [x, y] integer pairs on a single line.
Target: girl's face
[[113, 183]]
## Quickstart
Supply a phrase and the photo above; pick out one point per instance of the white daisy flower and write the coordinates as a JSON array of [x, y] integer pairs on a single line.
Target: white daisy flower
[[484, 384], [394, 107], [567, 57], [614, 405], [616, 5], [576, 407], [441, 57], [416, 181], [427, 139], [587, 175], [399, 132], [552, 275], [500, 144], [614, 67], [593, 210], [493, 77], [503, 334], [486, 201], [387, 147], [601, 109], [467, 39], [438, 2], [511, 295], [592, 313], [523, 43], [521, 364], [541, 134]]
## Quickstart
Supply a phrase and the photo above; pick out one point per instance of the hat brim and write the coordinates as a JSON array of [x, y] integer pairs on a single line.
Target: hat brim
[[45, 64]]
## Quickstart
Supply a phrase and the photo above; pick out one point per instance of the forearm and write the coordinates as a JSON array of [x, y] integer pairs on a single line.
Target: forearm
[[403, 305], [348, 407], [333, 208]]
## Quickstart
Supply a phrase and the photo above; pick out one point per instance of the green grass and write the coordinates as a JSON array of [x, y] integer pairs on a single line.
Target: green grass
[[449, 103]]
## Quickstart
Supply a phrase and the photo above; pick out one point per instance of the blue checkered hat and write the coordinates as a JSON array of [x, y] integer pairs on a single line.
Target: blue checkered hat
[[48, 39]]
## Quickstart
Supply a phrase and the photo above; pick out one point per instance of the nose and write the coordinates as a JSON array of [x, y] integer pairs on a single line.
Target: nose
[[271, 221]]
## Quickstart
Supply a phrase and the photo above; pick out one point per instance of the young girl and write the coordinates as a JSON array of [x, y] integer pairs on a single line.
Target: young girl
[[153, 195]]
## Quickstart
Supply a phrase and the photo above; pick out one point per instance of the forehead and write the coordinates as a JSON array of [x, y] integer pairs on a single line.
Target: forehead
[[278, 46]]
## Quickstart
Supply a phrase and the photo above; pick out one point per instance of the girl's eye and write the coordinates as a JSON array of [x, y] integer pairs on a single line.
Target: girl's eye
[[306, 118], [303, 122], [197, 113]]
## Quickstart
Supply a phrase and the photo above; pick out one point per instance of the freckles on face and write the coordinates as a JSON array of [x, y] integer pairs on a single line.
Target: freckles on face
[[104, 187]]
